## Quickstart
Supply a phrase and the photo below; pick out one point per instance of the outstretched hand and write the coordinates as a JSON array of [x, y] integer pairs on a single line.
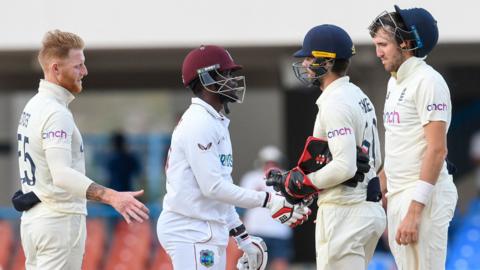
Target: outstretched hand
[[129, 207]]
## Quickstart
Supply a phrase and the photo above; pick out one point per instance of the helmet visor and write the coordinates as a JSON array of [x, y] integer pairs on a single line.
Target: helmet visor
[[310, 75], [232, 87]]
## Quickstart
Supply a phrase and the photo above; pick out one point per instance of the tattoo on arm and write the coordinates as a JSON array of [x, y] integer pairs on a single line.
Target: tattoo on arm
[[95, 192]]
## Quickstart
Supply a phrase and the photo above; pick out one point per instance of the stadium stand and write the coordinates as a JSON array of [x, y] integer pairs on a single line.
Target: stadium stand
[[6, 244], [464, 252], [95, 244]]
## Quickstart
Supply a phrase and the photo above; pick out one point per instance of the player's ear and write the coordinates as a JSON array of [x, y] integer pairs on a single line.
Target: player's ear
[[54, 68]]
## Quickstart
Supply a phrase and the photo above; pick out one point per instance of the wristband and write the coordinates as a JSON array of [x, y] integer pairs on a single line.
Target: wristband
[[237, 231], [267, 198], [423, 192]]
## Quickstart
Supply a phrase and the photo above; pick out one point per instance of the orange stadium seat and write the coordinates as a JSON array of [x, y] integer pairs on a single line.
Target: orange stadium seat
[[161, 261], [95, 244], [6, 244], [131, 247], [18, 259]]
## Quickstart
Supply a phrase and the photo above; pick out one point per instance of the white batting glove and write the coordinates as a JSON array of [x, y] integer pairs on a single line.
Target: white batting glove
[[252, 253], [284, 212], [262, 261], [303, 210], [242, 263]]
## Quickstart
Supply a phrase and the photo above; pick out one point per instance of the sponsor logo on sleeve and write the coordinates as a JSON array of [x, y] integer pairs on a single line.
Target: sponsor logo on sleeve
[[339, 132], [437, 107], [54, 134]]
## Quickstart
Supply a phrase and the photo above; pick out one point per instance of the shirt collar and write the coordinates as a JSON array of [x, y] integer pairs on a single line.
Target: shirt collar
[[56, 91], [331, 88], [208, 108], [407, 68]]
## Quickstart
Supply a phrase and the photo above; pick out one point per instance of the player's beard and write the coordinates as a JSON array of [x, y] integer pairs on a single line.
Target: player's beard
[[394, 62], [229, 96], [70, 82]]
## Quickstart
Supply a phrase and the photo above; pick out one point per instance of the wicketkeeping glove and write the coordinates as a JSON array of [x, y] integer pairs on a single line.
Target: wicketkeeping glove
[[294, 185], [316, 154]]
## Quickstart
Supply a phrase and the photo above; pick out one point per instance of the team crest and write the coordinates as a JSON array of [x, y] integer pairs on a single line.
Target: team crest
[[207, 258], [204, 147]]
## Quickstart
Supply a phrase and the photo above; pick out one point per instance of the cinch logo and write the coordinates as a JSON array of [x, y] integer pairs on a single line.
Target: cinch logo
[[391, 117], [54, 134], [339, 132], [437, 107]]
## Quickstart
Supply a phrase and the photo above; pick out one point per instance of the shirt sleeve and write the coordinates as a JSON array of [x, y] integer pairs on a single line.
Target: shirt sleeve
[[63, 176], [58, 130], [202, 153], [433, 101], [338, 123], [233, 219]]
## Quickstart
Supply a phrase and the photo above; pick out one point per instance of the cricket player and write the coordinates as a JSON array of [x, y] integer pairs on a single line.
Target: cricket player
[[199, 208], [52, 164], [421, 194], [350, 220]]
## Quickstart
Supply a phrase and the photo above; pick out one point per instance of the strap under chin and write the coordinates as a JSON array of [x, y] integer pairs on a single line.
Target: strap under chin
[[225, 107]]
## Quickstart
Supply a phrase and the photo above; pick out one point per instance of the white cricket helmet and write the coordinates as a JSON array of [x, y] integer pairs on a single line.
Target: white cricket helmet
[[242, 263]]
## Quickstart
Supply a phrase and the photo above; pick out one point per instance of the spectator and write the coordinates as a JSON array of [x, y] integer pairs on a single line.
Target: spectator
[[122, 165]]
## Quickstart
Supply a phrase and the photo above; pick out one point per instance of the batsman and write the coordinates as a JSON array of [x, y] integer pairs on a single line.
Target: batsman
[[340, 161]]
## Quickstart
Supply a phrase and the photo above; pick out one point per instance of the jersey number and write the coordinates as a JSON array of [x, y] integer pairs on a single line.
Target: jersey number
[[27, 160]]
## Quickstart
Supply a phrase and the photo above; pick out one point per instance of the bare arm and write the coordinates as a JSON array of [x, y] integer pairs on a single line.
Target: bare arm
[[435, 135], [96, 192], [383, 187], [383, 181], [124, 202]]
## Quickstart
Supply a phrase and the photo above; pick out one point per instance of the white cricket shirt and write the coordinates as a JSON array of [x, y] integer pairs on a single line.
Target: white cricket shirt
[[199, 167], [346, 118], [46, 122], [417, 95]]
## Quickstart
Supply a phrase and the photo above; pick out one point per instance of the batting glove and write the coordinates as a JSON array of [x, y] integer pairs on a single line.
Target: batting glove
[[252, 253], [284, 212], [242, 263]]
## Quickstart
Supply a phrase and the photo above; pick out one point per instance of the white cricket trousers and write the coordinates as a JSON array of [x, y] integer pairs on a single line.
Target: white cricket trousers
[[430, 252], [346, 235], [192, 243], [52, 240]]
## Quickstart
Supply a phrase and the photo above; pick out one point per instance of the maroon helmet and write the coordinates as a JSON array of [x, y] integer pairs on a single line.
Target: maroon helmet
[[209, 64]]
